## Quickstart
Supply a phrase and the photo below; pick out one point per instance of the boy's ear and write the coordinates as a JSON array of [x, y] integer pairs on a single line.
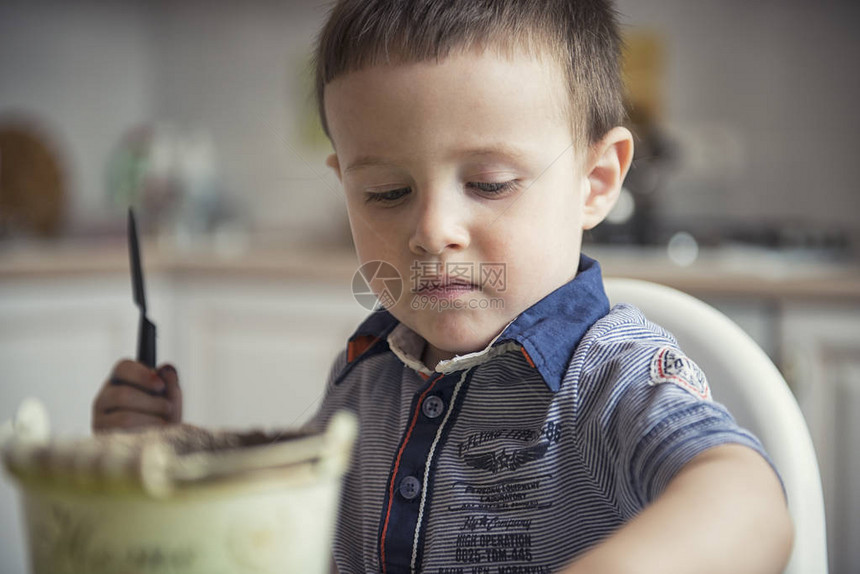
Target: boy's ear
[[608, 162], [334, 164]]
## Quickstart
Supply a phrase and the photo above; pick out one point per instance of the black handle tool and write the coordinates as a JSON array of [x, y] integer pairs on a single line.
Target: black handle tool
[[146, 331]]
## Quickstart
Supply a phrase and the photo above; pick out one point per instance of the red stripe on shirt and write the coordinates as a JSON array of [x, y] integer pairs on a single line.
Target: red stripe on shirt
[[397, 467]]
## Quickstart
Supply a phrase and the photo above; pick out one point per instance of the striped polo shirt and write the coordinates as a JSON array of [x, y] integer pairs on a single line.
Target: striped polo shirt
[[517, 458]]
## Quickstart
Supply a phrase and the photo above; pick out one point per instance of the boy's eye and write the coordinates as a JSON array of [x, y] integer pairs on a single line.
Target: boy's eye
[[493, 188], [384, 196], [392, 195]]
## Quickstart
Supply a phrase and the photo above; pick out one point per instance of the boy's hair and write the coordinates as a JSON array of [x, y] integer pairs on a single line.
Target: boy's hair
[[580, 35]]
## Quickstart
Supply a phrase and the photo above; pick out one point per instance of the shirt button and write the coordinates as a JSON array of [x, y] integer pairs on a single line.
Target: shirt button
[[410, 487], [432, 407]]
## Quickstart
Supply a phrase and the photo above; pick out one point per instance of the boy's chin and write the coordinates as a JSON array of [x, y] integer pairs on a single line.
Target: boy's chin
[[454, 333]]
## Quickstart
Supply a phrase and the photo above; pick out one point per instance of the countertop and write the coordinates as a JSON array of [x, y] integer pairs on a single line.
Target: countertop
[[734, 272]]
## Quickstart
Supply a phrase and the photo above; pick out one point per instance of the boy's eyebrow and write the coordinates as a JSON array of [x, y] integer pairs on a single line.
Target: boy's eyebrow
[[500, 150], [364, 161]]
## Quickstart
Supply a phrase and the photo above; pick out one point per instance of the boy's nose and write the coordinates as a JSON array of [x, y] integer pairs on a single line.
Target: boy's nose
[[439, 225]]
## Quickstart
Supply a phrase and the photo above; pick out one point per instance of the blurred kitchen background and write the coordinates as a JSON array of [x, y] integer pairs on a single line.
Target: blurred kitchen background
[[744, 192]]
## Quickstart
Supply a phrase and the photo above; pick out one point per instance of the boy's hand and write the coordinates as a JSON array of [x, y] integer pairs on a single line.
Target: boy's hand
[[136, 396]]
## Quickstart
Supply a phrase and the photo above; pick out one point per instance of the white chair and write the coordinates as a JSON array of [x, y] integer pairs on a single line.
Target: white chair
[[743, 378]]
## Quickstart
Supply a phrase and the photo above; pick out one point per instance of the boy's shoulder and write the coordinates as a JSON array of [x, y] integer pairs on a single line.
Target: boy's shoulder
[[622, 329], [625, 321], [624, 349]]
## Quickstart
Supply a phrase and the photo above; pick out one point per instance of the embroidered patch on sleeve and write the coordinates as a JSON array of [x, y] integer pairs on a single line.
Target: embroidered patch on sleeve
[[671, 366]]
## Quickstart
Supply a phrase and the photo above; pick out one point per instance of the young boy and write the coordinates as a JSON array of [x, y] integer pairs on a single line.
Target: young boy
[[511, 422]]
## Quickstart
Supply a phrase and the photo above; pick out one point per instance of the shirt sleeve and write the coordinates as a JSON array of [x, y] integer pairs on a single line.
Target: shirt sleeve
[[320, 419], [646, 411]]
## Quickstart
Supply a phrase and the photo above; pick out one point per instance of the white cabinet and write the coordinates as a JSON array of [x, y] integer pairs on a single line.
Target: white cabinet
[[821, 350], [58, 341], [248, 352], [258, 354]]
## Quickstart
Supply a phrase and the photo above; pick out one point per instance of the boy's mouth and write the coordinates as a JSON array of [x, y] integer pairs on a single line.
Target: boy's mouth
[[446, 287]]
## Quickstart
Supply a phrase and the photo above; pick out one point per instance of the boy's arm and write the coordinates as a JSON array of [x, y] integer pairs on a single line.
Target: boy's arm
[[723, 512]]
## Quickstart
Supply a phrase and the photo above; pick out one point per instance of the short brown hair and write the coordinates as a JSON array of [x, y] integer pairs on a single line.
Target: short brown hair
[[581, 35]]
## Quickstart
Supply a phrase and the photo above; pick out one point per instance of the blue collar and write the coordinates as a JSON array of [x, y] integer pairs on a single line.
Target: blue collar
[[549, 330]]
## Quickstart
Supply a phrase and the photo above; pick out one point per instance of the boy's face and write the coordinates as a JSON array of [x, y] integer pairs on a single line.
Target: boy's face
[[466, 168]]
